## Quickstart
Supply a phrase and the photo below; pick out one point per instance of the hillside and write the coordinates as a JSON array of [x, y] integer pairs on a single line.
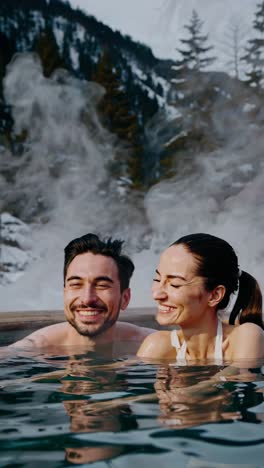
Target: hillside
[[98, 134]]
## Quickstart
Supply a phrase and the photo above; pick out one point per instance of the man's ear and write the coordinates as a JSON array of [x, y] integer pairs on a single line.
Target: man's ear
[[126, 294], [216, 295]]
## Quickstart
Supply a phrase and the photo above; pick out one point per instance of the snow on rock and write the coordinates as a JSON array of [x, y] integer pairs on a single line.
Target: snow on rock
[[14, 231], [175, 138], [249, 107], [15, 248], [172, 113]]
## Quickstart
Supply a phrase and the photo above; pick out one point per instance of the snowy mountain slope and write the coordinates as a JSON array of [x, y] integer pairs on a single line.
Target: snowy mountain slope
[[206, 158], [160, 23]]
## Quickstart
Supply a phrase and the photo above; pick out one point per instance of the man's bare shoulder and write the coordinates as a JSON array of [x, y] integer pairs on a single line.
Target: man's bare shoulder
[[46, 336], [130, 331]]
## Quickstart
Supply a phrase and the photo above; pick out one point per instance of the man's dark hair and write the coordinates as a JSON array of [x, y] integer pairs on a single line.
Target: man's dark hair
[[108, 247]]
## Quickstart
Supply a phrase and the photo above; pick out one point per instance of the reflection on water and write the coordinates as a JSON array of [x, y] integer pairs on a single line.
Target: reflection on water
[[78, 409], [186, 399]]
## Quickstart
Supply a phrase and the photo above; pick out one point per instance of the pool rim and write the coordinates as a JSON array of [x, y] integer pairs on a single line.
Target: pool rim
[[34, 319]]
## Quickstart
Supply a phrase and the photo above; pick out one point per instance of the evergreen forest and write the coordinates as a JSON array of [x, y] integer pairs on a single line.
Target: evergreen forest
[[160, 113]]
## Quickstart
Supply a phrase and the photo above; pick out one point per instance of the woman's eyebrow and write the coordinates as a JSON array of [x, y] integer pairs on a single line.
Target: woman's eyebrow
[[172, 276], [176, 276]]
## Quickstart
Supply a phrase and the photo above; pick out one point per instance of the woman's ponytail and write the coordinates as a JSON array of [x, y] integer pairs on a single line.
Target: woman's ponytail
[[248, 306]]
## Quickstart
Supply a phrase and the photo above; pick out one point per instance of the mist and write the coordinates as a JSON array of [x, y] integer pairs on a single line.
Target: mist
[[66, 164], [64, 171]]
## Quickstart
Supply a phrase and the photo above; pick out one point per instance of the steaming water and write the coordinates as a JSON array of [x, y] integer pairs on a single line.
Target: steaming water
[[65, 169]]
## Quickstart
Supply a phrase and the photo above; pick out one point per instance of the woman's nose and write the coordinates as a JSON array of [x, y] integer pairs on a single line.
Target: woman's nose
[[158, 291]]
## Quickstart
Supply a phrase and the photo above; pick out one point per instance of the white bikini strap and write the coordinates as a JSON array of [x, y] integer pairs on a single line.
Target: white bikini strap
[[181, 349], [175, 339], [181, 354]]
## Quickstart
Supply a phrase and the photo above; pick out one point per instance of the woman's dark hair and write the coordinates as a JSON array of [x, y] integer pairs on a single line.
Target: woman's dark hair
[[108, 247], [217, 262]]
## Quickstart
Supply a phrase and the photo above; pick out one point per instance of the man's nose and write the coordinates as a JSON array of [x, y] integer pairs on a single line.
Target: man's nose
[[88, 294]]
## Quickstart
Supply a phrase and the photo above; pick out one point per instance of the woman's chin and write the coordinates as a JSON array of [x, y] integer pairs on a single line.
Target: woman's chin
[[166, 318]]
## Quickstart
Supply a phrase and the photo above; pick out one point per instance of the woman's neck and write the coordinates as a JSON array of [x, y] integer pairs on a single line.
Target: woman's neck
[[200, 337]]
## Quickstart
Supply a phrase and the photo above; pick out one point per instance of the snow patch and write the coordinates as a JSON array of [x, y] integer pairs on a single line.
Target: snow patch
[[74, 58], [248, 107], [15, 248]]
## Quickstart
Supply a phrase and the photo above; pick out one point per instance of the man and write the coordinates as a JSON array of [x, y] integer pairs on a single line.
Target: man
[[96, 288]]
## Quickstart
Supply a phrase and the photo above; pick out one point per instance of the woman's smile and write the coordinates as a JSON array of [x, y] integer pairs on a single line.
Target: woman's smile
[[166, 308]]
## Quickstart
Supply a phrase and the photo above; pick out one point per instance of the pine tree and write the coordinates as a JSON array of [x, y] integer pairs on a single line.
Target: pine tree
[[190, 86], [192, 63], [7, 49], [120, 120], [66, 45], [48, 51], [255, 51], [194, 56], [193, 94]]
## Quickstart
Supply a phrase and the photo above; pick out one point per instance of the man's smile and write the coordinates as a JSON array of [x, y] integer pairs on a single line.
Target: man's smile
[[89, 313]]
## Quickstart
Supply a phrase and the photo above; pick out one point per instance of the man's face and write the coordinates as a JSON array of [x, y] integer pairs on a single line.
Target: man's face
[[92, 296]]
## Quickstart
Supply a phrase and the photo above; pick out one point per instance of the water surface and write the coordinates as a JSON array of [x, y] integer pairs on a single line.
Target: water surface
[[62, 410]]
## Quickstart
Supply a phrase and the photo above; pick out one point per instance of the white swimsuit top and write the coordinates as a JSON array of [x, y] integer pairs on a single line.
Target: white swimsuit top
[[181, 349]]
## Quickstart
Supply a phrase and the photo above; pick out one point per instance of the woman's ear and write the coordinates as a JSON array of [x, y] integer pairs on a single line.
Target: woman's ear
[[216, 295]]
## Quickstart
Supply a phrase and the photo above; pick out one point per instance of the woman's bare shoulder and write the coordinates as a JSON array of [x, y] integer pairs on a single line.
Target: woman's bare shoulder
[[156, 345], [247, 341], [247, 329]]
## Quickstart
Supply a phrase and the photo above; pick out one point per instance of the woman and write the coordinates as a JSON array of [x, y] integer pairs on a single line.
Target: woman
[[197, 276]]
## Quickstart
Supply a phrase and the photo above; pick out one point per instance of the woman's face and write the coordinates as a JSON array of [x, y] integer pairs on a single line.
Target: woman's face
[[179, 292]]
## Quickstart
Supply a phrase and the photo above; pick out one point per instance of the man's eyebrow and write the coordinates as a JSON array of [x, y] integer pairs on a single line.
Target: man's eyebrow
[[73, 278], [98, 278], [173, 276], [104, 278]]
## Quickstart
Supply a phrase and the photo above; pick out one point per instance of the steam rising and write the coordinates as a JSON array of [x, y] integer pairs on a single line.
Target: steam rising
[[67, 164], [65, 172], [222, 195]]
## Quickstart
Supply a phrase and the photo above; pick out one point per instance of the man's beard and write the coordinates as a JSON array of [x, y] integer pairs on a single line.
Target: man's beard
[[91, 330]]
